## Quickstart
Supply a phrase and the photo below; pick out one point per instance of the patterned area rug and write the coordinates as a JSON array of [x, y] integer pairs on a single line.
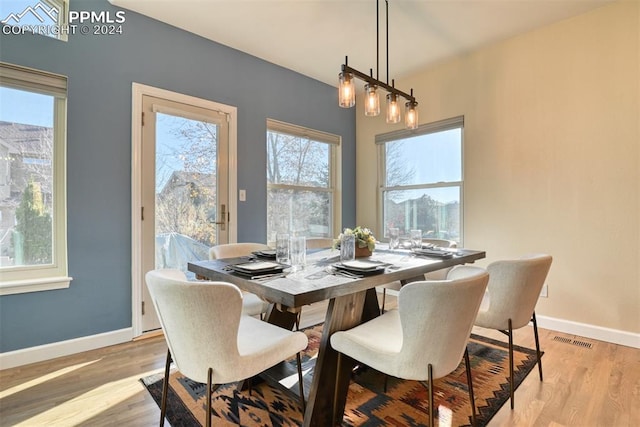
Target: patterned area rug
[[404, 403]]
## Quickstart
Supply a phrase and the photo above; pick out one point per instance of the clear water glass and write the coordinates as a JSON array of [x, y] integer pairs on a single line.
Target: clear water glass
[[298, 252], [416, 239], [347, 248], [282, 248], [394, 238]]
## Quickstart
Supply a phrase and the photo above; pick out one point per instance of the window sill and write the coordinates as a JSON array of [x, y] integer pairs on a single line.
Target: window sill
[[34, 285]]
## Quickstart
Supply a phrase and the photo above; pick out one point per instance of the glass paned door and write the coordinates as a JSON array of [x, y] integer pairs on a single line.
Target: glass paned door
[[185, 191]]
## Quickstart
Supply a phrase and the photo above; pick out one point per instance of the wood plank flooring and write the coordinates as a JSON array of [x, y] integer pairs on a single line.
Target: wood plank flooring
[[586, 383]]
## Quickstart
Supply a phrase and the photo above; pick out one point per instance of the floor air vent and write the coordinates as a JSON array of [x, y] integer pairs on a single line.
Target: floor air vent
[[565, 340]]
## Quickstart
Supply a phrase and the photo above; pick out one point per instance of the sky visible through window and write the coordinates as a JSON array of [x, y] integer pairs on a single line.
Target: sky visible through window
[[435, 158], [30, 108]]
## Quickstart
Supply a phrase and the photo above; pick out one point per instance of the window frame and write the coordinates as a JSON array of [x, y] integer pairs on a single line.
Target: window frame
[[22, 279], [425, 129], [335, 170]]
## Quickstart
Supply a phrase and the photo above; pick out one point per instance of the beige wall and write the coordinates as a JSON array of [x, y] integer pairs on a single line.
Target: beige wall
[[551, 156]]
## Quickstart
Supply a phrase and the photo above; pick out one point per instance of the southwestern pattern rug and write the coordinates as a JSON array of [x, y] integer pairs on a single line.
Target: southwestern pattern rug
[[404, 403]]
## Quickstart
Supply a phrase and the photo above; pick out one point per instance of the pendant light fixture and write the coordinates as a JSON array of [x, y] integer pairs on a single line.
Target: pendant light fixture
[[346, 87]]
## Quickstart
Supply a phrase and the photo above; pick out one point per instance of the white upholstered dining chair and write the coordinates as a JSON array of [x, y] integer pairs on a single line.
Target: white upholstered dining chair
[[512, 293], [210, 341], [252, 305], [426, 337]]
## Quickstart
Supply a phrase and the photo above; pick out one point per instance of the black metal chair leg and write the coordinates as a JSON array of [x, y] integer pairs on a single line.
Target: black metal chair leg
[[384, 298], [165, 389], [209, 394], [510, 334], [431, 414], [301, 384], [535, 333], [470, 383], [334, 415]]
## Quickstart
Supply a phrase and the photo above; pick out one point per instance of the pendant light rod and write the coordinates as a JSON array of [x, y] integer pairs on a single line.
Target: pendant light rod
[[386, 14], [377, 42]]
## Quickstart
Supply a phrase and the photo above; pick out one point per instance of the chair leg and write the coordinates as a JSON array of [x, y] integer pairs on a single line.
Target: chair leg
[[431, 414], [384, 298], [470, 383], [301, 384], [510, 334], [298, 316], [209, 394], [165, 389], [334, 413], [535, 333]]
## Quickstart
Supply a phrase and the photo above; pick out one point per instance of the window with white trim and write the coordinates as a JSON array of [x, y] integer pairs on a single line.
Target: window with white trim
[[33, 239], [421, 180], [303, 181]]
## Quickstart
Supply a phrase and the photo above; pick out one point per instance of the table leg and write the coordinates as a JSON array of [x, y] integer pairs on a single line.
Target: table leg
[[329, 387], [281, 317]]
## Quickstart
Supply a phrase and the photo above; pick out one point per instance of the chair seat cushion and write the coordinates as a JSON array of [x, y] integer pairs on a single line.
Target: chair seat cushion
[[375, 343], [262, 345]]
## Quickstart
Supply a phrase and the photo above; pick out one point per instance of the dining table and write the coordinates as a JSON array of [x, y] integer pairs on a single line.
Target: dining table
[[351, 297]]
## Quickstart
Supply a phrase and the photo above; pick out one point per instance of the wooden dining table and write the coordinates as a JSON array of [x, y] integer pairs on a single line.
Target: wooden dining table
[[352, 300]]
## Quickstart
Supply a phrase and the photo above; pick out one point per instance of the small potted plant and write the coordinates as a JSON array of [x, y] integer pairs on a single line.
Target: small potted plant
[[365, 240]]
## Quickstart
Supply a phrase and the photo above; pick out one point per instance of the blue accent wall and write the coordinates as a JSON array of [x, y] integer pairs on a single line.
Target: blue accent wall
[[101, 69]]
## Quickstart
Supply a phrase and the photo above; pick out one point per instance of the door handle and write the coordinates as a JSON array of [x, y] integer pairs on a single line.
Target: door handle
[[223, 214]]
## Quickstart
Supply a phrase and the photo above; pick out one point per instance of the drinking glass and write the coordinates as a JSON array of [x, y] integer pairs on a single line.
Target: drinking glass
[[394, 238], [282, 248], [347, 247], [416, 239], [298, 252]]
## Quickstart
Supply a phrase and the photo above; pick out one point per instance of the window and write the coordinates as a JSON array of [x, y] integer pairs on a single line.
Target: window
[[45, 17], [303, 195], [32, 180], [421, 180]]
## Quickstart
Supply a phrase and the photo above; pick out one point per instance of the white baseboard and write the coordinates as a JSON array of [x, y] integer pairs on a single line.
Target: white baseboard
[[40, 353], [614, 336]]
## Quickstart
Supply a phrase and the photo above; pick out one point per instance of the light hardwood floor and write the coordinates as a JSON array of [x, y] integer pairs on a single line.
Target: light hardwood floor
[[586, 383]]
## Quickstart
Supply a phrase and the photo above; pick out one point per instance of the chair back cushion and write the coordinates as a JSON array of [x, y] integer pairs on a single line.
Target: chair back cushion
[[200, 321], [233, 250], [514, 288], [441, 243], [319, 242], [436, 319]]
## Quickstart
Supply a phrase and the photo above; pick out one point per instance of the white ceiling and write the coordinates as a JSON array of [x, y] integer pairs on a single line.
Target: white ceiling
[[313, 37]]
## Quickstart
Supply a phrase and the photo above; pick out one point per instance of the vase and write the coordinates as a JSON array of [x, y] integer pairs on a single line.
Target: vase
[[362, 252]]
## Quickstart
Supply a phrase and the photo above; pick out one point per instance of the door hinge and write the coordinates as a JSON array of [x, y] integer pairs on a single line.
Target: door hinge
[[142, 119], [143, 308], [142, 213]]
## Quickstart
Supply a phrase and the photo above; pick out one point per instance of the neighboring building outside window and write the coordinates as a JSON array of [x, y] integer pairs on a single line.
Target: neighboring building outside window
[[421, 180], [32, 180], [303, 185]]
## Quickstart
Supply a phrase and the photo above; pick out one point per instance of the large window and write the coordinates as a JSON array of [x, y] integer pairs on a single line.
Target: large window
[[32, 180], [303, 194], [421, 180]]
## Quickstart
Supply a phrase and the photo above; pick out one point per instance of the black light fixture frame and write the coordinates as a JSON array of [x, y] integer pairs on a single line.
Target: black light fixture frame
[[369, 78]]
